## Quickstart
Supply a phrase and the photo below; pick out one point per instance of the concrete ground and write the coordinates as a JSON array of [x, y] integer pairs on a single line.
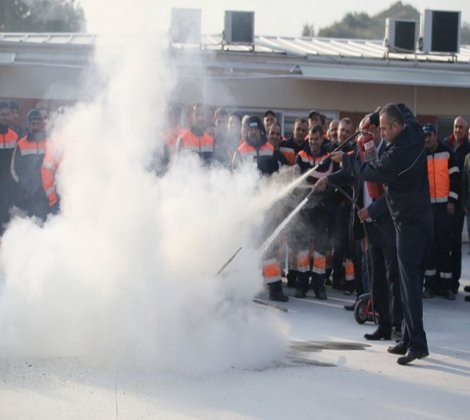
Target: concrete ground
[[330, 371]]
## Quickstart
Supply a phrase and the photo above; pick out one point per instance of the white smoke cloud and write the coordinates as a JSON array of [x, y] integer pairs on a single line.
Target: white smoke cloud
[[126, 272]]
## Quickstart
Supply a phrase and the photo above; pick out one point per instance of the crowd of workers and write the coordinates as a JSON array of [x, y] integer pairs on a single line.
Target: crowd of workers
[[385, 210]]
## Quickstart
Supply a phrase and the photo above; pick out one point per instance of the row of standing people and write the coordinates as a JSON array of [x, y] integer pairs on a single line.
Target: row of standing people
[[254, 140], [26, 178]]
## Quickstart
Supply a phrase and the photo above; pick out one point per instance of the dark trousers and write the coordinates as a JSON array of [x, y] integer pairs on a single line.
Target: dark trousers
[[439, 266], [384, 272], [339, 231], [457, 226], [413, 247]]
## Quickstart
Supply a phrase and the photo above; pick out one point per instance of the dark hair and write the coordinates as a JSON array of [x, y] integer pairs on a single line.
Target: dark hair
[[316, 129], [270, 112], [4, 104], [313, 113], [323, 118], [393, 114], [14, 105]]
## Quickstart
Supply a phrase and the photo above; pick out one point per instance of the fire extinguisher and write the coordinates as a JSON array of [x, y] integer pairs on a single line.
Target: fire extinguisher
[[367, 149]]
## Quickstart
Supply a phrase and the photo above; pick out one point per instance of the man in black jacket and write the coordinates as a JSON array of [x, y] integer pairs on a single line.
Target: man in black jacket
[[380, 231], [402, 168]]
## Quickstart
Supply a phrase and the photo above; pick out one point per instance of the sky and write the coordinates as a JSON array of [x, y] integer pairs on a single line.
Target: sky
[[287, 18]]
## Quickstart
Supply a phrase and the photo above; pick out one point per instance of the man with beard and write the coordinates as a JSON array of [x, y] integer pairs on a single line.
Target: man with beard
[[26, 167], [195, 139]]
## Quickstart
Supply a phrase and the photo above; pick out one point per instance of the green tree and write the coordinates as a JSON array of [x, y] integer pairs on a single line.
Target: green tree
[[308, 30], [465, 33], [361, 25], [41, 16]]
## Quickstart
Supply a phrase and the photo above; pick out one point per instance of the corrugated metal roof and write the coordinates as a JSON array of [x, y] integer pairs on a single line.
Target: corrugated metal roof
[[295, 46], [333, 59]]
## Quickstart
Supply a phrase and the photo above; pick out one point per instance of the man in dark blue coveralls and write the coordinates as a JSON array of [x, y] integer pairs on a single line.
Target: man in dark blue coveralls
[[402, 168]]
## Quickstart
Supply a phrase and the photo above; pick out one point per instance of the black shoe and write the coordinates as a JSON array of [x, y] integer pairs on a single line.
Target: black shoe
[[350, 307], [467, 298], [279, 297], [412, 355], [397, 349], [379, 334], [320, 294], [466, 289], [300, 293], [449, 294]]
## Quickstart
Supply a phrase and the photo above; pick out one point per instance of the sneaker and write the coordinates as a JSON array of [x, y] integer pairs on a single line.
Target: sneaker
[[466, 289]]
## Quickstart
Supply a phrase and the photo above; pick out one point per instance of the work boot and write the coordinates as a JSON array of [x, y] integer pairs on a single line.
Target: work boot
[[276, 293], [300, 293], [321, 294], [449, 294], [412, 355]]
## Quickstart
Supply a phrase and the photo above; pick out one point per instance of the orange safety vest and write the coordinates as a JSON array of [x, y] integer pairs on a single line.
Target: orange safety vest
[[27, 147], [171, 136], [438, 176], [189, 141], [8, 140], [247, 151]]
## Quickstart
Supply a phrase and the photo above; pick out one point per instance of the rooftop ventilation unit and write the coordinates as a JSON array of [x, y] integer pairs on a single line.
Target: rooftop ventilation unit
[[400, 35], [239, 28], [185, 26], [440, 32]]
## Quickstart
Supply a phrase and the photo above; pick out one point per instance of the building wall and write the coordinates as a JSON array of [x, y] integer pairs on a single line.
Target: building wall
[[354, 97], [288, 96]]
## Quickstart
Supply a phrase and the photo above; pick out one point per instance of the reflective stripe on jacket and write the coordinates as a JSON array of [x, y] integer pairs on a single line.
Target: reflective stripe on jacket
[[265, 157], [442, 172]]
